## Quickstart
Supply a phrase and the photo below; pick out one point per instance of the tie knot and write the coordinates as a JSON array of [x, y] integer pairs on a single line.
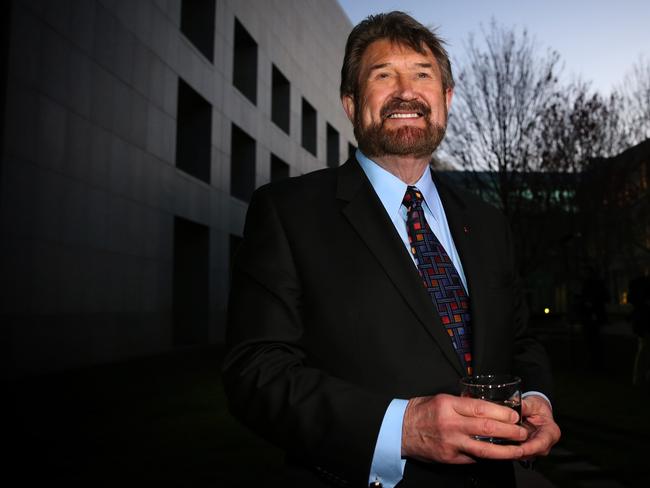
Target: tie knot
[[412, 197]]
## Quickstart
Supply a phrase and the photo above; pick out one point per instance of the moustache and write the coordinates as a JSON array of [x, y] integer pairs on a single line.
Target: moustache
[[396, 105]]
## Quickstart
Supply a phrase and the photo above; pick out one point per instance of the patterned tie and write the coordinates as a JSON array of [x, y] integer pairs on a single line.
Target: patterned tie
[[440, 277]]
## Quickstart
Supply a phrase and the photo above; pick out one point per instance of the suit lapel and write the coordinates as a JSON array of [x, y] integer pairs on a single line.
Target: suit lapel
[[366, 214], [460, 224]]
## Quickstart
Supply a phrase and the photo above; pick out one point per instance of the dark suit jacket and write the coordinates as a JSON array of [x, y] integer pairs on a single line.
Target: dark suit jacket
[[329, 321]]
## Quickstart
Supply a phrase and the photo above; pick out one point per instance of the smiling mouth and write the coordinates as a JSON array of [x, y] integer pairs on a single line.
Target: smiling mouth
[[408, 115]]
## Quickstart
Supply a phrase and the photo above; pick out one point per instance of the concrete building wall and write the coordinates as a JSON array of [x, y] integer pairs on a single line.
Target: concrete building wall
[[89, 186]]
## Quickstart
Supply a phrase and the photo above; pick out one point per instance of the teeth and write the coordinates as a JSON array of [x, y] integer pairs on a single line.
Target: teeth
[[403, 116]]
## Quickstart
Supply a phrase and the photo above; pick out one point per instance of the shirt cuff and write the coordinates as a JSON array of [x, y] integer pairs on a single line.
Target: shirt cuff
[[387, 464], [529, 393]]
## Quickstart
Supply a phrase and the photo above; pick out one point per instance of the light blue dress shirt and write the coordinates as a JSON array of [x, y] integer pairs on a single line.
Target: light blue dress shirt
[[387, 463]]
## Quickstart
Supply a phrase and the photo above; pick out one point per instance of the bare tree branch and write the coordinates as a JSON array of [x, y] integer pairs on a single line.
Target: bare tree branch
[[503, 92], [635, 92]]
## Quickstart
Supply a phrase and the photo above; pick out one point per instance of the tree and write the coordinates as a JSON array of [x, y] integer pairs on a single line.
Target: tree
[[504, 93], [580, 125], [525, 137], [577, 127], [504, 90], [580, 128], [635, 92]]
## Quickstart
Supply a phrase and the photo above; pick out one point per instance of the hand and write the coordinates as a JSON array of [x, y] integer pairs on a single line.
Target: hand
[[538, 419], [442, 427]]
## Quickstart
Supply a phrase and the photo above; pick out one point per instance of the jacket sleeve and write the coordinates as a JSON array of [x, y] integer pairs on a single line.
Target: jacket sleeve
[[324, 421]]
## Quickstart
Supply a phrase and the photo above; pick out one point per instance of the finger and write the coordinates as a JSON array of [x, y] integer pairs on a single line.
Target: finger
[[487, 450], [538, 445], [471, 407], [530, 427], [541, 441], [493, 428], [535, 405]]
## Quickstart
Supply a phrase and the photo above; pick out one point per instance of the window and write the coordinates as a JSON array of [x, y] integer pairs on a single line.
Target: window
[[193, 133], [242, 164], [197, 23], [332, 147], [244, 76], [191, 283], [280, 100], [308, 127], [279, 169]]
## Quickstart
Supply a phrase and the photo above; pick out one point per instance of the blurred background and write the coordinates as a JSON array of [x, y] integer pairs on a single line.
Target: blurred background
[[134, 133]]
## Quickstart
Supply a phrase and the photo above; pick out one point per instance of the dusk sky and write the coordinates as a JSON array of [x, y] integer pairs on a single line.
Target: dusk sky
[[598, 40]]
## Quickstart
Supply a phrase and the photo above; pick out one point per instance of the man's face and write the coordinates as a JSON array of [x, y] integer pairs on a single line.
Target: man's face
[[401, 108]]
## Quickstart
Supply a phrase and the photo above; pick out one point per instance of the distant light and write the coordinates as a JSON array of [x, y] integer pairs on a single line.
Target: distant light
[[547, 311]]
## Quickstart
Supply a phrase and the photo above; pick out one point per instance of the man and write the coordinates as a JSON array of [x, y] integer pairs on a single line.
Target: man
[[345, 342]]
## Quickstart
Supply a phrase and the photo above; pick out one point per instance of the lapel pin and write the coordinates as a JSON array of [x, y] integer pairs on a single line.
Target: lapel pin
[[466, 229]]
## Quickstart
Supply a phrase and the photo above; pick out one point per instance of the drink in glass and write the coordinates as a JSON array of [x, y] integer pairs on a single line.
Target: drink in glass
[[501, 389]]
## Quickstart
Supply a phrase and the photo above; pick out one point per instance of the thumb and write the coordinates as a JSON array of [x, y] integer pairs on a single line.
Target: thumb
[[532, 405]]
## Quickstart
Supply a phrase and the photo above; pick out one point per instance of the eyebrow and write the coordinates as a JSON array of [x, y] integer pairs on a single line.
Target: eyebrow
[[378, 66], [384, 65]]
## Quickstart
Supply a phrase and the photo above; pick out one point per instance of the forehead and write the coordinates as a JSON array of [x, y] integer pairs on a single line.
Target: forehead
[[385, 51]]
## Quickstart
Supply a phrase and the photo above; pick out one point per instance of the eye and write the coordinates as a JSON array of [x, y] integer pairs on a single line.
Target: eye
[[382, 76], [423, 75]]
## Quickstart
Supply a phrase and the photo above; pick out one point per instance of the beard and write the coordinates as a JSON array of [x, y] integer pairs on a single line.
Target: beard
[[375, 140]]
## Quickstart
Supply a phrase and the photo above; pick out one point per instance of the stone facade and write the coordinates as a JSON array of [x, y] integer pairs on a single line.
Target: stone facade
[[95, 214]]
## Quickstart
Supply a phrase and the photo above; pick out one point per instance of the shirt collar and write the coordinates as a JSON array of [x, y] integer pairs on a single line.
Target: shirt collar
[[390, 189]]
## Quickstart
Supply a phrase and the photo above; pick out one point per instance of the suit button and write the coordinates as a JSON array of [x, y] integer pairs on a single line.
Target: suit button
[[472, 482]]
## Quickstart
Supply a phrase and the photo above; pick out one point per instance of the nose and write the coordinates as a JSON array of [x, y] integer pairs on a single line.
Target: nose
[[405, 87]]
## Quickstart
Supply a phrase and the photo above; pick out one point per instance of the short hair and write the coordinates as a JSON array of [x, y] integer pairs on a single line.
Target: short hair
[[398, 27]]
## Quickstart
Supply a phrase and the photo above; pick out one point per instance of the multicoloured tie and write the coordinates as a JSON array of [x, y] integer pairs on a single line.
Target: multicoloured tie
[[440, 277]]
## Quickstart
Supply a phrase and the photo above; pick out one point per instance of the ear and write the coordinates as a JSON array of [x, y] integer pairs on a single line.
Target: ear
[[449, 94], [348, 106]]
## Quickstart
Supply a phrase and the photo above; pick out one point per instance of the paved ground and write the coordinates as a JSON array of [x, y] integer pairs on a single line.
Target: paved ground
[[162, 421], [602, 415]]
